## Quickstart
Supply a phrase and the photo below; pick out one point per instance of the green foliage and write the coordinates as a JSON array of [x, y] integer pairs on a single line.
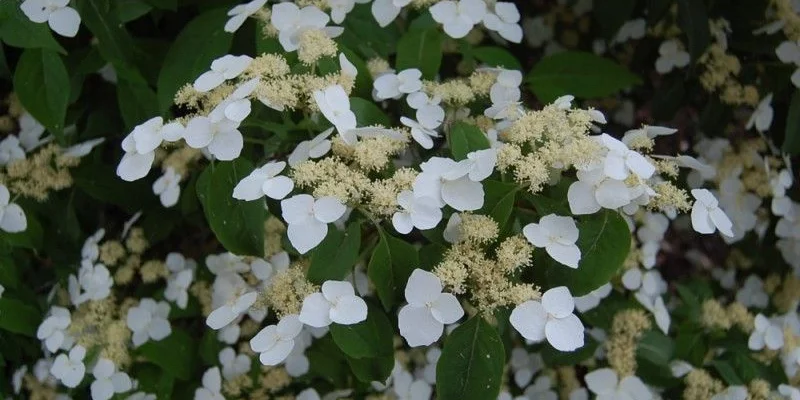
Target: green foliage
[[791, 140], [421, 49], [335, 257], [175, 354], [18, 31], [391, 264], [43, 87], [472, 362], [693, 19], [465, 138], [369, 339]]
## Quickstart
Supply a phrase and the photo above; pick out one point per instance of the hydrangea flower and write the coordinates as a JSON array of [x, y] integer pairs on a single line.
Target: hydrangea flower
[[336, 303], [458, 17], [94, 282], [766, 334], [405, 387], [233, 365], [291, 21], [789, 53], [385, 11], [217, 133], [420, 213], [558, 236], [140, 146], [108, 380], [11, 150], [334, 104], [226, 313], [621, 161], [671, 56], [442, 181], [61, 18], [606, 385], [505, 21], [422, 320], [53, 330], [308, 149], [550, 319], [240, 13], [275, 342], [264, 181], [148, 321], [392, 86], [178, 286], [707, 217], [223, 68], [212, 386], [761, 118], [69, 369], [167, 187], [421, 134], [308, 219], [12, 218]]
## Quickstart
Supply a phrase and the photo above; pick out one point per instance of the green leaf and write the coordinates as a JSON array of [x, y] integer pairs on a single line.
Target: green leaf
[[326, 360], [693, 19], [498, 200], [368, 339], [100, 182], [727, 372], [466, 138], [129, 10], [9, 273], [610, 15], [174, 354], [421, 49], [372, 369], [42, 86], [336, 256], [581, 74], [18, 317], [791, 140], [238, 225], [691, 345], [604, 242], [553, 357], [363, 35], [472, 362], [199, 43], [137, 102], [32, 237], [391, 264], [496, 57], [19, 31], [367, 113], [656, 347]]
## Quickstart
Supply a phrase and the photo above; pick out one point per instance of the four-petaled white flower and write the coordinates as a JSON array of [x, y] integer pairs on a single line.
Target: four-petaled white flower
[[308, 219], [30, 132], [140, 146], [11, 150], [12, 218], [420, 213], [505, 21], [429, 113], [148, 321], [707, 217], [314, 148], [445, 182], [606, 385], [240, 13], [422, 320], [226, 313], [621, 161], [766, 334], [391, 86], [789, 52], [93, 283], [592, 299], [385, 11], [405, 387], [558, 236], [212, 386], [167, 187], [737, 392], [62, 18], [108, 380], [762, 115], [421, 134], [340, 8], [53, 330], [275, 342], [69, 369], [177, 287], [458, 17], [222, 69], [552, 318], [334, 104], [671, 56], [217, 133], [264, 181], [337, 303], [233, 365], [291, 21]]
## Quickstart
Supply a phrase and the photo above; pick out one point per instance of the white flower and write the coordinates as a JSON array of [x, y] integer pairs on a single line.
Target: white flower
[[505, 96], [264, 181], [30, 132], [240, 13], [790, 392], [81, 149], [592, 299], [537, 31], [148, 321], [558, 236], [606, 385], [222, 69], [12, 218], [737, 392], [564, 102], [93, 279], [212, 386], [108, 380], [391, 86], [552, 318], [421, 213], [659, 310], [222, 264], [62, 18], [233, 365], [432, 359], [314, 148], [505, 21], [140, 146], [385, 11], [752, 293], [218, 133], [53, 330], [420, 133], [593, 191], [541, 389], [634, 29], [525, 365], [429, 113], [452, 232], [334, 104], [422, 320], [226, 313], [671, 56], [291, 21], [444, 181], [620, 161], [167, 187], [297, 363], [275, 342], [707, 217], [337, 303], [459, 17], [766, 334], [308, 219], [789, 52], [11, 150], [762, 115], [340, 8], [177, 287], [70, 369], [405, 387]]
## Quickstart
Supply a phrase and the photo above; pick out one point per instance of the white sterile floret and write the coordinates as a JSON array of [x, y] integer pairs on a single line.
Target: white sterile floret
[[69, 369], [308, 219], [550, 319], [275, 342], [452, 231], [334, 104], [429, 113], [222, 69], [671, 56], [606, 385], [737, 392], [621, 161], [752, 293], [12, 218], [789, 52], [90, 249], [61, 18], [633, 29], [422, 320], [232, 309], [30, 132], [240, 13], [53, 330], [557, 235], [178, 286], [11, 150], [167, 187], [212, 386], [707, 217], [541, 389], [447, 182], [391, 86], [385, 11], [505, 96], [420, 213], [420, 133], [216, 133], [148, 321], [766, 334], [790, 392], [337, 303], [761, 118], [458, 17], [291, 21], [264, 181], [140, 146], [314, 148], [592, 299], [108, 380], [594, 190], [233, 365], [340, 8], [405, 387], [524, 365], [505, 21], [92, 283]]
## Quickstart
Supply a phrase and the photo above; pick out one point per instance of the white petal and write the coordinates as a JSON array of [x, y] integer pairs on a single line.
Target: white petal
[[226, 145], [328, 209], [529, 320], [701, 221], [463, 194], [221, 317], [418, 326], [582, 199], [277, 353], [422, 288], [315, 311], [208, 80], [567, 254], [612, 194], [384, 12], [135, 166], [402, 222], [446, 309], [278, 187], [565, 334], [602, 381], [558, 302], [65, 21], [13, 219], [635, 388], [349, 310], [249, 188], [536, 235]]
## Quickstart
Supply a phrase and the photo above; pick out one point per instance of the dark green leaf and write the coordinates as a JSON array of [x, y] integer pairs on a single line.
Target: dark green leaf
[[367, 113], [368, 339], [693, 19], [19, 31], [791, 140], [727, 372], [31, 238], [553, 357], [129, 10], [498, 200], [174, 354], [611, 14], [336, 256], [391, 264], [42, 86], [472, 362], [496, 57], [656, 347], [363, 35], [421, 49], [466, 138], [372, 369], [581, 74], [137, 102], [18, 317]]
